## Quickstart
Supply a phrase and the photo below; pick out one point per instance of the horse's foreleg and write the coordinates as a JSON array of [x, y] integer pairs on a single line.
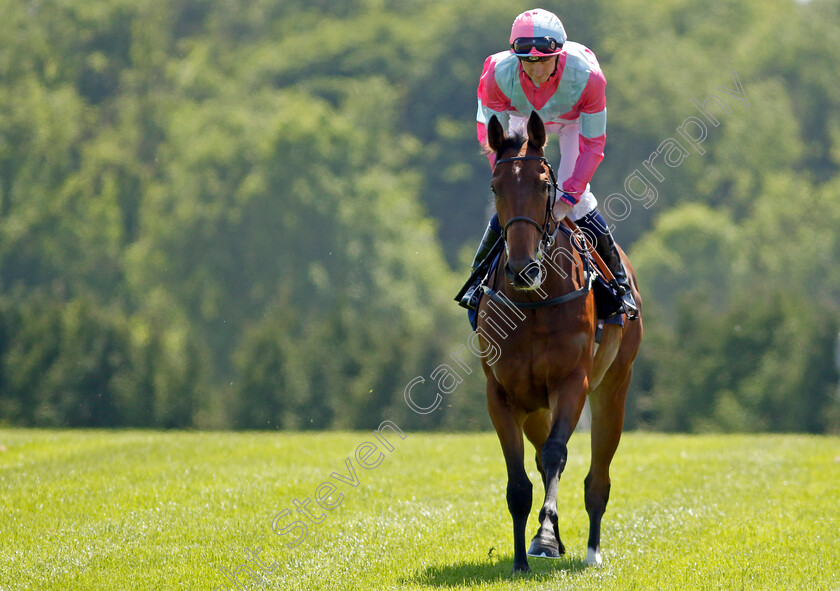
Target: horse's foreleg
[[607, 404], [546, 542], [567, 405], [537, 426], [519, 488]]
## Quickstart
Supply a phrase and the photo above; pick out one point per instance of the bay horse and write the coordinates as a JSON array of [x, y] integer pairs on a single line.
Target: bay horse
[[541, 305]]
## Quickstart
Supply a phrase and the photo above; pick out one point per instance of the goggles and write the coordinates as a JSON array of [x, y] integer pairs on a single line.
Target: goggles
[[522, 46]]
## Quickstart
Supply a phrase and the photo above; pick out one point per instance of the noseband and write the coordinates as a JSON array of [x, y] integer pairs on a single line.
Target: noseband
[[543, 228]]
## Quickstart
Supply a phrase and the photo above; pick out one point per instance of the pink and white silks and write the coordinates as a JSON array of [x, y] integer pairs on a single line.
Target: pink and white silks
[[572, 104]]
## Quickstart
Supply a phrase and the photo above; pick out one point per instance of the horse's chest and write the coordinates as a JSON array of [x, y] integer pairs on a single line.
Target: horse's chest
[[534, 361]]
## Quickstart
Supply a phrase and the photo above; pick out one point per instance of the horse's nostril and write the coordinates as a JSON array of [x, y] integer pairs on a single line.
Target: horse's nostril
[[523, 273], [509, 272]]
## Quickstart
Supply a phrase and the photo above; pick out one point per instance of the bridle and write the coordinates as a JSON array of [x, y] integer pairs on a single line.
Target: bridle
[[547, 241], [544, 228]]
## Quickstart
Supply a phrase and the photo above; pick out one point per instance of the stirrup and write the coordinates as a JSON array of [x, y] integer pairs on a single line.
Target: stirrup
[[628, 303]]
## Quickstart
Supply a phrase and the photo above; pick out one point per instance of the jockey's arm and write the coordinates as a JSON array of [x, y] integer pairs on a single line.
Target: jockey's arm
[[491, 101], [482, 118], [593, 135]]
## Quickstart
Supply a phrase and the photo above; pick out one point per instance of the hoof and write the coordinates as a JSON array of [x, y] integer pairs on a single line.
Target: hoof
[[546, 548], [593, 557], [520, 569]]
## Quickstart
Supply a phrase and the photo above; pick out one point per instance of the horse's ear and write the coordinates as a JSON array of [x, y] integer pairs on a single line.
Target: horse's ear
[[536, 130], [495, 134]]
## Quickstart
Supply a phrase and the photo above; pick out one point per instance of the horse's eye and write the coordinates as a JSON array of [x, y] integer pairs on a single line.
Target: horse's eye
[[493, 189]]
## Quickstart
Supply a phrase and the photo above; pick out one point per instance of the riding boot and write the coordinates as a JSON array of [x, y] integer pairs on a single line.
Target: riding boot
[[605, 245], [491, 235]]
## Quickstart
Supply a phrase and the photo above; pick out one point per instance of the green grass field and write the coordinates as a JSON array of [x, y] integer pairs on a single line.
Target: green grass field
[[139, 510]]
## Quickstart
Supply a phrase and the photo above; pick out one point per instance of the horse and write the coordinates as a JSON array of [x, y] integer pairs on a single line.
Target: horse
[[542, 313]]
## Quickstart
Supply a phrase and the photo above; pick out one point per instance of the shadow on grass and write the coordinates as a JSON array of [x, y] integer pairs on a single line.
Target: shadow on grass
[[488, 571]]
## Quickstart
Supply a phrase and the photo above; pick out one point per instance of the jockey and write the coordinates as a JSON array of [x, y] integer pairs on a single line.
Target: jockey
[[562, 81]]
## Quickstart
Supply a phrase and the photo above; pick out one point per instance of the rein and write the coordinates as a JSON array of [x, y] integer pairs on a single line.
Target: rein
[[547, 241]]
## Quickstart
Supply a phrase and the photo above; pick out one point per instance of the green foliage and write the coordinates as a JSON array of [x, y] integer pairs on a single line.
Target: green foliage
[[741, 325], [247, 214], [73, 364]]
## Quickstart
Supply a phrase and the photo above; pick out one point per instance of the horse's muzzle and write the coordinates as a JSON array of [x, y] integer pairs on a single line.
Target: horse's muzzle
[[524, 275]]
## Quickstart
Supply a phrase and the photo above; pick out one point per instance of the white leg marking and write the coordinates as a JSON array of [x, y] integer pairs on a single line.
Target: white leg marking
[[593, 557]]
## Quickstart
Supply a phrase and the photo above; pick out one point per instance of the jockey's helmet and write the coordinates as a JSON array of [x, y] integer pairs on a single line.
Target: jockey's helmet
[[537, 34]]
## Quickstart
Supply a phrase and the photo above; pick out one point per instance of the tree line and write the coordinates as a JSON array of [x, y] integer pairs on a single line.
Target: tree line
[[255, 214]]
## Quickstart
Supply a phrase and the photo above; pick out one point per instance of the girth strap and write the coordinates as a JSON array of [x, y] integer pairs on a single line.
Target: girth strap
[[589, 277]]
